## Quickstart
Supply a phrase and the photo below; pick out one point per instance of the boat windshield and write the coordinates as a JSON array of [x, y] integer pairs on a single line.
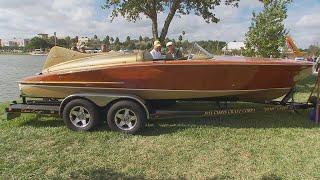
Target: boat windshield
[[198, 52]]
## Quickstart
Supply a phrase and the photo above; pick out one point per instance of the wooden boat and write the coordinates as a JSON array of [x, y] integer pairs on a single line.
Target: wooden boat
[[245, 79]]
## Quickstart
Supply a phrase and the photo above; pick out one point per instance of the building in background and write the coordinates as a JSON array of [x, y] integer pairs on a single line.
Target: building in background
[[89, 43], [234, 48], [43, 35], [8, 43], [82, 42], [14, 42], [231, 46]]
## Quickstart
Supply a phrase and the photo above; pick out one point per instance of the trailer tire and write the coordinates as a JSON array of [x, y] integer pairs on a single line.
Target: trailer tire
[[81, 115], [127, 117]]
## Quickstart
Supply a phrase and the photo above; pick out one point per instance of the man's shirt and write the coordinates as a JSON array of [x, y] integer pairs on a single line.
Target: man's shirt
[[156, 54]]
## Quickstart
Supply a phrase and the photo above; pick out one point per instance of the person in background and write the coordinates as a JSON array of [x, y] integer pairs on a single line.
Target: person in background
[[74, 48], [156, 52], [83, 50], [172, 53]]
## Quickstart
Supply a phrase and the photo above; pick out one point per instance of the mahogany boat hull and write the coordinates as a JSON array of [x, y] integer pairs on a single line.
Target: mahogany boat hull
[[254, 81]]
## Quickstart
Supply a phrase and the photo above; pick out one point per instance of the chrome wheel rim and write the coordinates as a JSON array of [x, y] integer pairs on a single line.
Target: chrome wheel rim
[[80, 116], [125, 119]]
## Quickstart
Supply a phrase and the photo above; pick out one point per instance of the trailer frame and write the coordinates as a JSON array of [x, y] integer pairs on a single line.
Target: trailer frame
[[49, 106]]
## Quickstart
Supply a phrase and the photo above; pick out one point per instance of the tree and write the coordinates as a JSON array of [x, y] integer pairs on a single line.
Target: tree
[[68, 42], [131, 46], [62, 43], [128, 39], [149, 45], [266, 35], [117, 47], [146, 39], [117, 41], [127, 42], [38, 43], [111, 39], [140, 43], [74, 41], [133, 10], [106, 40], [314, 50]]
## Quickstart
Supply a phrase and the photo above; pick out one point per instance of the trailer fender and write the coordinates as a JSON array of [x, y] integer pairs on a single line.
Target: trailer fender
[[102, 100]]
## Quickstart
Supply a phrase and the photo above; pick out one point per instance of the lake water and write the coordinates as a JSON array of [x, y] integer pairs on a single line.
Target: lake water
[[12, 69]]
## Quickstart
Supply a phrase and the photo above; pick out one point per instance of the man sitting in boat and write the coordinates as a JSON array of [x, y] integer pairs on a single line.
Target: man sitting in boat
[[172, 53], [156, 52]]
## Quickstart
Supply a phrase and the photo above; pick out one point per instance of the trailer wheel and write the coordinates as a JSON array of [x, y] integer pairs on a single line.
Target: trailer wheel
[[81, 115], [126, 116]]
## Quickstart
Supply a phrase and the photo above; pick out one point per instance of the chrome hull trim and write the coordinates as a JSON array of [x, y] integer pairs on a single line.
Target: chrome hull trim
[[67, 82]]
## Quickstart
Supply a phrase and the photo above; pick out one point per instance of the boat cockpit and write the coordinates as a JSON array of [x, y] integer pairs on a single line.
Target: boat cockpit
[[196, 52], [61, 59]]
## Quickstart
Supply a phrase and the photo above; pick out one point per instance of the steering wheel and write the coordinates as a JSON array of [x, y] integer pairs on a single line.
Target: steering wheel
[[190, 56]]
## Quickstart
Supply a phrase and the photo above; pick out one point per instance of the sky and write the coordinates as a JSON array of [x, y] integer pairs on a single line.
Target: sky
[[25, 19]]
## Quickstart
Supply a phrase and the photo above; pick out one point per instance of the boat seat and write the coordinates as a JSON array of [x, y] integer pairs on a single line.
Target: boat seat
[[144, 56]]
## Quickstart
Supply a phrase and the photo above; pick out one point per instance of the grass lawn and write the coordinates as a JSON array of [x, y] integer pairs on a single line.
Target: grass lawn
[[280, 145]]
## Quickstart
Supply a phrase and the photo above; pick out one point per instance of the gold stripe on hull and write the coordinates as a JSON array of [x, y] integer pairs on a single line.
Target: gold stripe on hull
[[258, 95]]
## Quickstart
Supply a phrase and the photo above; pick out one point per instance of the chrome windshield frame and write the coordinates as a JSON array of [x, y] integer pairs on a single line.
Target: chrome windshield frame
[[196, 45]]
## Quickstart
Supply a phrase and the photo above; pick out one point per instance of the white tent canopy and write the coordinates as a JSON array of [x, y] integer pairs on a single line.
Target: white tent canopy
[[234, 46]]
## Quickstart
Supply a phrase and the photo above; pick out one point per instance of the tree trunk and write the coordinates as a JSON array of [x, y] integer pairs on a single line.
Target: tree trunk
[[169, 18], [155, 28]]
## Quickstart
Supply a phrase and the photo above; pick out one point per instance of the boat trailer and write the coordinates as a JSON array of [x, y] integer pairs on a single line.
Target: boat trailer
[[54, 107]]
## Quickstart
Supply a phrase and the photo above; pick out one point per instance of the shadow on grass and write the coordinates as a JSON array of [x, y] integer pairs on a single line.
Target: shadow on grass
[[40, 122], [110, 174], [102, 173], [271, 177], [255, 121]]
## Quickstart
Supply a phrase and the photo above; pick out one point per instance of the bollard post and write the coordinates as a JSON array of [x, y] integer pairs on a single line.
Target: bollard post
[[318, 104]]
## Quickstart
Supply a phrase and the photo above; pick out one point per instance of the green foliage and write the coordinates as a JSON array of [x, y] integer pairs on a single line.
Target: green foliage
[[133, 9], [116, 47], [106, 40], [127, 43], [38, 43], [314, 50], [117, 41], [149, 45], [266, 35], [111, 39], [41, 43], [74, 41], [142, 43]]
